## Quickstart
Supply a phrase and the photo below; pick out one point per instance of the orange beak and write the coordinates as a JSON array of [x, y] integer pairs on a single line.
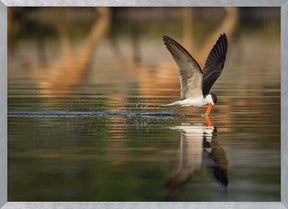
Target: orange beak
[[209, 108]]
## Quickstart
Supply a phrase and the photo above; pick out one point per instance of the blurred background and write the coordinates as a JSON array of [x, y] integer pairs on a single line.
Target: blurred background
[[85, 123]]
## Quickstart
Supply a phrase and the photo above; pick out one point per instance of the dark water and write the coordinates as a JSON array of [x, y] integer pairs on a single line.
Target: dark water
[[85, 120]]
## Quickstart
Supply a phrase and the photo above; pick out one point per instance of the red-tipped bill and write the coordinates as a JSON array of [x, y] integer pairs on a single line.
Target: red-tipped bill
[[209, 108]]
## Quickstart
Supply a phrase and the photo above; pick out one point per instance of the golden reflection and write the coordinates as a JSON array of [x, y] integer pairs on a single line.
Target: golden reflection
[[74, 64], [199, 147]]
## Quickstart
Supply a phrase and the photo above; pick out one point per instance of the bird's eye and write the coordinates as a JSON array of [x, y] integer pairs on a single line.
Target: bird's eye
[[214, 98]]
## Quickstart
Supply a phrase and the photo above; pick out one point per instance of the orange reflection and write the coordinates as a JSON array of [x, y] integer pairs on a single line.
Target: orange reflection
[[74, 65]]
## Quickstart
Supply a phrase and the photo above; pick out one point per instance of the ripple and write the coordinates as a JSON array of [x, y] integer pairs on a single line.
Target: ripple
[[156, 115]]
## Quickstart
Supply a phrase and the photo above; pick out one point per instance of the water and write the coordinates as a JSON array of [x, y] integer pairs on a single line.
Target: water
[[86, 121]]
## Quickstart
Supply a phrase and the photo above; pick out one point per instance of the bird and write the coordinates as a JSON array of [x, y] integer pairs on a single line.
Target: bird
[[195, 82]]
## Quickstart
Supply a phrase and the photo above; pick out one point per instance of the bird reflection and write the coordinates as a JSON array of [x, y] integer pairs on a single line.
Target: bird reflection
[[199, 147]]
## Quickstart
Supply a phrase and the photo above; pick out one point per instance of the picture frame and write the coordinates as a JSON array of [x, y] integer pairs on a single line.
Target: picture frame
[[283, 4]]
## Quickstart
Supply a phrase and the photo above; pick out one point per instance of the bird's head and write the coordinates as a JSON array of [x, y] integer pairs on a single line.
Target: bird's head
[[211, 99]]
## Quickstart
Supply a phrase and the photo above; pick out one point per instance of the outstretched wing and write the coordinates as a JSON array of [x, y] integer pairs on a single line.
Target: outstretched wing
[[191, 76], [214, 64]]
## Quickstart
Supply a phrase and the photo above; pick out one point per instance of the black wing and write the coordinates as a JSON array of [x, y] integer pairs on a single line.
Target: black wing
[[191, 77], [214, 64]]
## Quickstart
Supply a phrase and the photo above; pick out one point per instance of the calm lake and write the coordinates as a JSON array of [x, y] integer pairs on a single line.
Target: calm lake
[[85, 114]]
